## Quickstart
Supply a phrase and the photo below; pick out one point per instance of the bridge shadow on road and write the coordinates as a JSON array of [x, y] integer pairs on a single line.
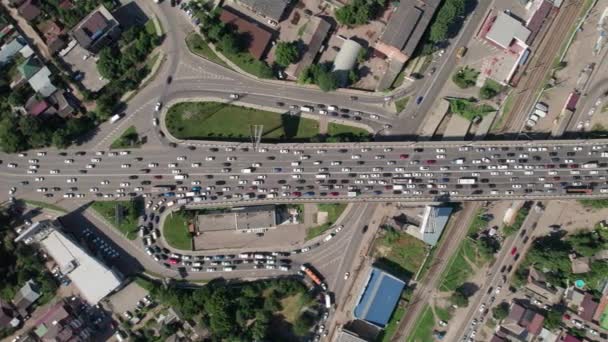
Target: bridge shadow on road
[[76, 224]]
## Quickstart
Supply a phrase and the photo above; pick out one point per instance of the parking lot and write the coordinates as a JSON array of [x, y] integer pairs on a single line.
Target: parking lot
[[84, 65]]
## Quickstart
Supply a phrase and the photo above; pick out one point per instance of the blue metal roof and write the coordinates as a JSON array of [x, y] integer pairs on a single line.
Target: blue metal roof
[[379, 298]]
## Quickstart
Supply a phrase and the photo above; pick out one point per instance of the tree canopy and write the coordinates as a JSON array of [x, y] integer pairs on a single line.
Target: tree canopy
[[359, 12], [286, 53]]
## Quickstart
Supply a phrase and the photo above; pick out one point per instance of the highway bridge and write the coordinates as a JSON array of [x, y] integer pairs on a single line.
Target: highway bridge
[[237, 173]]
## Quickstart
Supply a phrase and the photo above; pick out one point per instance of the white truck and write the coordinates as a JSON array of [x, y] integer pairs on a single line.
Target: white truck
[[322, 175], [307, 109], [459, 161], [247, 170], [115, 118], [590, 165], [397, 187], [467, 180], [353, 193], [181, 176], [192, 193]]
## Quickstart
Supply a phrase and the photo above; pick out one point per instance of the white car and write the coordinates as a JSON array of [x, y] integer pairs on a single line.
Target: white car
[[95, 160], [54, 172], [33, 167], [71, 180], [79, 195], [158, 106], [33, 161], [180, 158], [99, 153], [12, 190], [125, 166], [125, 184], [90, 166], [41, 154], [94, 189], [195, 182], [68, 195], [153, 165], [11, 165], [39, 179], [283, 151], [42, 190], [68, 161], [196, 165], [139, 189], [346, 275], [105, 182]]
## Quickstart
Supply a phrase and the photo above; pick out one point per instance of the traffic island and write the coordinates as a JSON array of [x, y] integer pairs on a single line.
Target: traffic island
[[216, 121]]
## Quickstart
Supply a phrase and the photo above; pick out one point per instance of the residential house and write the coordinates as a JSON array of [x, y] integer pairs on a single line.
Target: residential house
[[8, 316], [27, 295], [41, 82], [315, 33], [30, 67], [272, 10], [63, 103], [10, 49], [522, 322], [538, 286], [96, 30], [29, 10], [51, 32], [35, 106], [588, 307], [404, 30], [64, 322], [574, 297]]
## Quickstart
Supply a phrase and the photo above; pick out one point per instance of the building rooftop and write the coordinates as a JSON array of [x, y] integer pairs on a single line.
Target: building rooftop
[[94, 27], [506, 28], [29, 10], [239, 218], [269, 9], [93, 279], [26, 296], [10, 49], [587, 308], [41, 82], [346, 59], [313, 36], [347, 336], [30, 67], [259, 36], [379, 297]]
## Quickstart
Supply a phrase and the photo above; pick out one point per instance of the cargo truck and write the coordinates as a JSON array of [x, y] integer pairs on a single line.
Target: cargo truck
[[247, 170], [315, 279], [467, 180]]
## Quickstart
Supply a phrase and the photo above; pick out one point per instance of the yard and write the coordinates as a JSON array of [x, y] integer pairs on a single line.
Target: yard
[[334, 210], [399, 253], [129, 214], [175, 230], [128, 139], [424, 327]]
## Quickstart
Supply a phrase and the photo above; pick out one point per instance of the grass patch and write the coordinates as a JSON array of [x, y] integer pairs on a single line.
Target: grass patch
[[402, 103], [246, 62], [292, 307], [214, 120], [45, 205], [339, 132], [199, 47], [175, 230], [465, 77], [594, 203], [389, 331], [150, 27], [301, 29], [457, 272], [443, 313], [424, 327], [400, 250], [469, 109], [131, 210], [152, 60], [334, 210], [128, 139]]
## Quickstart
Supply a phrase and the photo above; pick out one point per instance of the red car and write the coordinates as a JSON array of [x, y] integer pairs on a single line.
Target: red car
[[173, 261], [404, 156], [431, 161], [513, 250], [158, 177], [297, 194], [567, 317], [334, 193], [574, 166]]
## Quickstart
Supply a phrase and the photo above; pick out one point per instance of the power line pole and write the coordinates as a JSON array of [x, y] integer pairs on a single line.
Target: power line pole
[[256, 135]]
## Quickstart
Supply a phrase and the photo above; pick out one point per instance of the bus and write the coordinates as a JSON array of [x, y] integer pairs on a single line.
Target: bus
[[467, 180]]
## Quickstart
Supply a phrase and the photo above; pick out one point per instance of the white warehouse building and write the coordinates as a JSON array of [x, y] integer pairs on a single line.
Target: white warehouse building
[[346, 60]]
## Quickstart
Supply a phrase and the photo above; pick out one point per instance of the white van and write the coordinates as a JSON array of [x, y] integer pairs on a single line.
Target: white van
[[308, 109], [540, 113], [541, 106], [181, 177]]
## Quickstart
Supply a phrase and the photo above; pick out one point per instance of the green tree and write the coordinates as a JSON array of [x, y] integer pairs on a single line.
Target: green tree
[[229, 44], [326, 80], [487, 93], [286, 53], [458, 298], [501, 311], [553, 319], [19, 96]]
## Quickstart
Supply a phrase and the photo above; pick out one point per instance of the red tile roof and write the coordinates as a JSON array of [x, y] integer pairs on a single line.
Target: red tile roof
[[588, 307], [38, 108], [536, 325], [570, 338], [259, 36]]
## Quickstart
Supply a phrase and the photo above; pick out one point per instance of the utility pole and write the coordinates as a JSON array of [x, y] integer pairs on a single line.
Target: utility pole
[[256, 135]]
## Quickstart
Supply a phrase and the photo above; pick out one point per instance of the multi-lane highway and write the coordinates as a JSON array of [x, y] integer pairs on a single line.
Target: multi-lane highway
[[233, 173]]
